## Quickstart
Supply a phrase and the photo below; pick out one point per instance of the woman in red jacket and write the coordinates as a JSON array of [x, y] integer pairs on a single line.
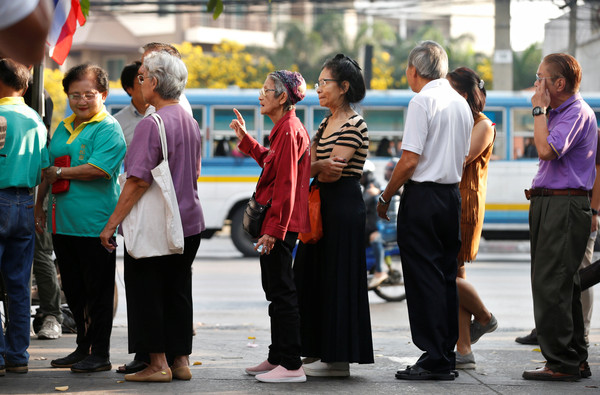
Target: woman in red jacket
[[284, 183]]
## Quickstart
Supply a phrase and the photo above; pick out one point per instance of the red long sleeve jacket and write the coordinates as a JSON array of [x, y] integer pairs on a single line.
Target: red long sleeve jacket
[[286, 176]]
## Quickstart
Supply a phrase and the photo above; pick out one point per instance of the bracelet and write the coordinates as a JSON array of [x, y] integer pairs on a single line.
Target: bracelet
[[594, 211]]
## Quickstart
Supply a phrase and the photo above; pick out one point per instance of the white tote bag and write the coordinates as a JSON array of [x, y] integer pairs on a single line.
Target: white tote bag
[[153, 226]]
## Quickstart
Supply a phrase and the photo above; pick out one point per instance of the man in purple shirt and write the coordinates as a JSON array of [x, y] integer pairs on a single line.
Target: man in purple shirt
[[560, 215]]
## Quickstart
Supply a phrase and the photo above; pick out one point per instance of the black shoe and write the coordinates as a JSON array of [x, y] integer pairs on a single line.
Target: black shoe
[[92, 363], [584, 370], [132, 367], [19, 367], [415, 372], [529, 339], [69, 360]]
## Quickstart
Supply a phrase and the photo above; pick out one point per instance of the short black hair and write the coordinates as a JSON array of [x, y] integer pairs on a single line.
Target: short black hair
[[344, 68], [129, 75], [14, 75], [79, 73]]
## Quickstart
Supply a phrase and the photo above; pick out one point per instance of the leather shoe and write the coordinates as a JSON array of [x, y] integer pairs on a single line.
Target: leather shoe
[[162, 376], [584, 370], [132, 367], [92, 363], [546, 374], [69, 360], [17, 367], [528, 339], [416, 372]]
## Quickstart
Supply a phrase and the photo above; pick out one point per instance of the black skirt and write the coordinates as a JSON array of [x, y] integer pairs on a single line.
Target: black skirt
[[331, 280]]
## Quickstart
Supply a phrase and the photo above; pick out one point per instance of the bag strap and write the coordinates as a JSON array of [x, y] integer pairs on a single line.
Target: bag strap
[[163, 136]]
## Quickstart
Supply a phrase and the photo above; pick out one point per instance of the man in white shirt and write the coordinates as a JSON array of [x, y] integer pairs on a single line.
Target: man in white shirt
[[129, 116], [436, 141]]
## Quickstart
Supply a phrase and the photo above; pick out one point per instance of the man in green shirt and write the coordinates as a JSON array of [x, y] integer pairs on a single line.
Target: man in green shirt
[[22, 159]]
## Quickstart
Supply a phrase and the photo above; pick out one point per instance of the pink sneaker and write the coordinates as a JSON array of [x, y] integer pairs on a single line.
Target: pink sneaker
[[282, 375], [263, 367]]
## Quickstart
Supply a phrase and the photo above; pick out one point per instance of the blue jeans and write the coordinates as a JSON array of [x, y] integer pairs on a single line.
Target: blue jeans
[[17, 238]]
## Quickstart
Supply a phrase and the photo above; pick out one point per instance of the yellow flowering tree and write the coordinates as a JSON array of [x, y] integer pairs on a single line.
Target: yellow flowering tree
[[229, 65], [53, 84]]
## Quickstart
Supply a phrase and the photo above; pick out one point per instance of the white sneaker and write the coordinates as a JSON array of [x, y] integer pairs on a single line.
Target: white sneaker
[[377, 280], [322, 369], [51, 329]]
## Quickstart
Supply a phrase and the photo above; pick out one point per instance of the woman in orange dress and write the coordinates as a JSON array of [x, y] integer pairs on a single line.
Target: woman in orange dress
[[472, 190]]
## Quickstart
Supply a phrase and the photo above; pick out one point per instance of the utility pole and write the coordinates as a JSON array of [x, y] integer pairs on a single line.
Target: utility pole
[[572, 4], [503, 59]]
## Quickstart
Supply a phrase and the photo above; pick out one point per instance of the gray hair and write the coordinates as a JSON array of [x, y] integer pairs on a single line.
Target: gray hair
[[279, 89], [429, 59], [170, 73]]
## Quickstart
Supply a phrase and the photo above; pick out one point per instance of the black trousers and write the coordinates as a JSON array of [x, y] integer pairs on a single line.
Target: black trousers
[[159, 302], [280, 289], [87, 272], [429, 241]]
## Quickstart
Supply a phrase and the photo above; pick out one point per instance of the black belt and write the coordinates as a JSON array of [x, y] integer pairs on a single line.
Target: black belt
[[555, 192], [23, 190], [430, 183]]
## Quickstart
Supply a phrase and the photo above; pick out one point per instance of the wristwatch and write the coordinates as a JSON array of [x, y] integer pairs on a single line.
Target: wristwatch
[[382, 201], [58, 172], [594, 212], [537, 110]]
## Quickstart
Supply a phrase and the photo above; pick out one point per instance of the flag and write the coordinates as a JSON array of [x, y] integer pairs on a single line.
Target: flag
[[67, 15]]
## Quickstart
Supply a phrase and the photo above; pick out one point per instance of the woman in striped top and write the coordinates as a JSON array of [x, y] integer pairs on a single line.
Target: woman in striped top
[[331, 274]]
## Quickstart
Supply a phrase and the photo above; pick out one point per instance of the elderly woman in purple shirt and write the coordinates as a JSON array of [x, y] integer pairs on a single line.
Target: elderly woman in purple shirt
[[160, 322]]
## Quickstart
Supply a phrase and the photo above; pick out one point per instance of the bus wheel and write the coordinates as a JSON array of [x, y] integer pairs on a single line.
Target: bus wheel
[[240, 238]]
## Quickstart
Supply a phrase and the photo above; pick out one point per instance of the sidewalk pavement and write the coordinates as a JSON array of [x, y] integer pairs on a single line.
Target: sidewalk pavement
[[222, 352]]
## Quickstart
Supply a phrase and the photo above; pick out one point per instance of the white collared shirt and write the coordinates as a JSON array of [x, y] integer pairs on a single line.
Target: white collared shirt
[[438, 128]]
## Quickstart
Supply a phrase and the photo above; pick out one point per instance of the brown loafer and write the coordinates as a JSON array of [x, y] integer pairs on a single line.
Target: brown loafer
[[546, 374]]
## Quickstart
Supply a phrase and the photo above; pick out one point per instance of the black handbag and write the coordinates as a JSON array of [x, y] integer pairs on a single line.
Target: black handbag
[[254, 215]]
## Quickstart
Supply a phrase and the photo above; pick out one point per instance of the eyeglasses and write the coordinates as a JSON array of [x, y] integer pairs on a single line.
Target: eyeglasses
[[323, 82], [263, 91], [87, 96], [538, 78], [140, 78]]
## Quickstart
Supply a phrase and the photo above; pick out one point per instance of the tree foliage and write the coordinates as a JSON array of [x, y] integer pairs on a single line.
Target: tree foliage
[[525, 66]]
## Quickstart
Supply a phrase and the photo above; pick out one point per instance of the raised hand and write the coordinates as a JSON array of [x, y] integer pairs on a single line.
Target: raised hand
[[238, 125]]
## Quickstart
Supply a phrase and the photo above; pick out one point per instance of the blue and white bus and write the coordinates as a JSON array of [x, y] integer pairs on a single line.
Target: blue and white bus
[[228, 177]]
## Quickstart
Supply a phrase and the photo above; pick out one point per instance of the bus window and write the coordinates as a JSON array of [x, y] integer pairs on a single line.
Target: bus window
[[268, 124], [319, 113], [198, 113], [496, 115], [386, 127], [522, 134], [222, 138], [222, 118]]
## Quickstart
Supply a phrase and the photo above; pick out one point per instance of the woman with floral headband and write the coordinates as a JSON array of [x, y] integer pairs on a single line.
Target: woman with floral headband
[[331, 275], [472, 191], [284, 183]]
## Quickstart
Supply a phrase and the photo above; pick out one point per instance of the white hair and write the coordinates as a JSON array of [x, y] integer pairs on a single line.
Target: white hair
[[429, 59], [170, 73]]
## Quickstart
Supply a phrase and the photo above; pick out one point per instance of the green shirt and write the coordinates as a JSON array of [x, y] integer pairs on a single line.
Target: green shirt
[[24, 154], [85, 208]]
